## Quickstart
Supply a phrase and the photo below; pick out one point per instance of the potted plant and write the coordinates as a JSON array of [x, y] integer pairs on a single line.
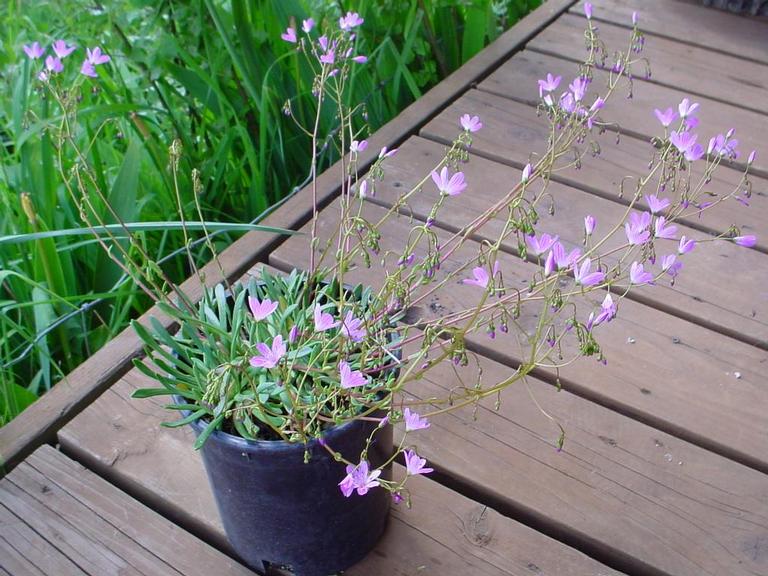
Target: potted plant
[[292, 382]]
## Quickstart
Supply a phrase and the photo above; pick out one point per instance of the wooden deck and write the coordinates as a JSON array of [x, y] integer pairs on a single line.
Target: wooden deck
[[665, 468]]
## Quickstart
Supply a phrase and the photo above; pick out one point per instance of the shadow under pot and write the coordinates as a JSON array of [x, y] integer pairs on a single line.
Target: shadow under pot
[[278, 510]]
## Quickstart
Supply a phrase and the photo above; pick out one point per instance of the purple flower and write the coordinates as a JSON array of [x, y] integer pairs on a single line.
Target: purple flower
[[269, 357], [481, 277], [323, 41], [452, 186], [606, 314], [358, 147], [385, 153], [359, 478], [307, 25], [597, 105], [634, 18], [561, 259], [671, 265], [415, 465], [526, 173], [656, 204], [567, 102], [88, 69], [682, 140], [747, 241], [549, 263], [34, 50], [289, 35], [751, 157], [349, 21], [667, 117], [397, 497], [261, 310], [588, 10], [686, 245], [578, 87], [363, 189], [96, 56], [549, 84], [584, 276], [638, 275], [470, 123], [589, 224], [661, 230], [696, 152], [413, 421], [360, 59], [716, 144], [323, 320], [293, 334], [686, 108], [351, 378], [53, 64], [61, 49], [352, 327], [637, 228], [691, 122], [328, 58], [541, 244]]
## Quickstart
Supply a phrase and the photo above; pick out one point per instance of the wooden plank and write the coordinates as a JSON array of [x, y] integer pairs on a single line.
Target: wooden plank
[[41, 420], [703, 293], [690, 69], [745, 38], [24, 552], [98, 528], [512, 134], [516, 79], [662, 370], [444, 534]]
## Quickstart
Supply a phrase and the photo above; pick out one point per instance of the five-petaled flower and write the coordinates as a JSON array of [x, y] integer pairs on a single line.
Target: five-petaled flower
[[414, 464], [549, 84], [34, 50], [263, 309], [637, 228], [269, 357], [686, 108], [661, 230], [359, 478], [638, 275], [358, 147], [413, 421], [323, 320], [589, 224], [655, 203], [307, 25], [352, 327], [539, 245], [584, 276], [682, 140], [686, 245], [667, 117], [481, 277], [449, 185], [289, 35], [606, 314], [351, 20], [470, 123], [350, 378], [62, 49], [579, 87], [671, 265]]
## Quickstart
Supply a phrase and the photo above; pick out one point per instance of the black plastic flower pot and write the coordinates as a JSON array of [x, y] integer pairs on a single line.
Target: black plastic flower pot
[[279, 510]]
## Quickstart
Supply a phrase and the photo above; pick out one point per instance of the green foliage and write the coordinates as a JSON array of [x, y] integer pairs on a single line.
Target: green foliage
[[216, 76]]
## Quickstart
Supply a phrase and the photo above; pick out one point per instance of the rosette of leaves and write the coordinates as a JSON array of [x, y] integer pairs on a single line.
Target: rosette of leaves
[[207, 363]]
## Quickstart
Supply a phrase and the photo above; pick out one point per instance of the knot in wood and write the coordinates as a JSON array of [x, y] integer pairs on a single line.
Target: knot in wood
[[477, 526]]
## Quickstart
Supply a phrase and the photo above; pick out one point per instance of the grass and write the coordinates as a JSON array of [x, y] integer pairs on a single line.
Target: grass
[[211, 74]]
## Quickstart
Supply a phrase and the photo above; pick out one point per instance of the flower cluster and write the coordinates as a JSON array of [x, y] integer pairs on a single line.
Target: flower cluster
[[54, 64]]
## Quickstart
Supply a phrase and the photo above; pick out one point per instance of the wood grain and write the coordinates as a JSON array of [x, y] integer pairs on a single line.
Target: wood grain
[[444, 534]]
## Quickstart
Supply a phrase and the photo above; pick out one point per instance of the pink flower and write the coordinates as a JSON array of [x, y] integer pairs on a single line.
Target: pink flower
[[682, 140], [638, 275], [352, 327], [360, 59], [661, 230], [96, 56], [328, 58], [415, 465], [293, 334], [323, 320], [606, 314], [588, 10], [470, 123], [549, 84], [359, 478], [541, 244], [261, 310], [351, 20], [269, 357], [87, 69], [579, 88], [34, 50], [686, 245], [481, 277], [289, 35], [562, 259], [53, 64], [656, 204], [751, 157], [747, 241], [637, 228], [307, 25], [61, 49], [589, 224], [667, 117], [549, 263], [451, 186], [525, 176], [671, 265], [323, 42], [695, 152], [358, 147], [686, 108], [413, 421], [583, 275], [351, 378], [385, 153]]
